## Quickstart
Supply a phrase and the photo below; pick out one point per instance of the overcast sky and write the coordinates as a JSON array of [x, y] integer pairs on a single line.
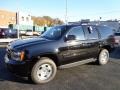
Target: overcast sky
[[77, 9]]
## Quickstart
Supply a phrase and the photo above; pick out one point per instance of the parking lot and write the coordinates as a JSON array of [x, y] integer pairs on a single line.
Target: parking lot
[[84, 77]]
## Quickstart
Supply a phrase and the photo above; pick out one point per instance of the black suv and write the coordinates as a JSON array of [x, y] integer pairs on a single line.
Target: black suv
[[60, 47]]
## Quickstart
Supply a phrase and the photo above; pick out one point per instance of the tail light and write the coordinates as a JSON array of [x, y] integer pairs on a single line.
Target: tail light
[[115, 40]]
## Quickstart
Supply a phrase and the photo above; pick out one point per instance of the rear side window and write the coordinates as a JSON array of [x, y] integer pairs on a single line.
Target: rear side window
[[91, 32], [105, 31], [78, 32]]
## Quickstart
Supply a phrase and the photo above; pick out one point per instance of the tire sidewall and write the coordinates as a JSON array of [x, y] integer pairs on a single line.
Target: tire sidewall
[[34, 76], [100, 59]]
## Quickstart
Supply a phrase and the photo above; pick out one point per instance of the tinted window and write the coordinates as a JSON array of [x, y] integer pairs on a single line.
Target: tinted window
[[117, 34], [29, 30], [91, 32], [105, 31], [78, 32]]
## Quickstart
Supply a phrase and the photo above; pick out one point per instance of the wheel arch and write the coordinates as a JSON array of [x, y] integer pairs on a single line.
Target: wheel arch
[[108, 47], [51, 56]]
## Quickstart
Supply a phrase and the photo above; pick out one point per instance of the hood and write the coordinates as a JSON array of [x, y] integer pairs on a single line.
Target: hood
[[22, 43]]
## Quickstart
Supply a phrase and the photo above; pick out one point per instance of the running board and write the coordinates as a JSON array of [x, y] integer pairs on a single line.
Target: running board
[[77, 63]]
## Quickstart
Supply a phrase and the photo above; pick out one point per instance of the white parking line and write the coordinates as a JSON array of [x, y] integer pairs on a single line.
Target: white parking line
[[7, 40]]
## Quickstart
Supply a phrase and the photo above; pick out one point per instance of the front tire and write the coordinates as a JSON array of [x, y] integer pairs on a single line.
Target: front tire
[[103, 57], [43, 71]]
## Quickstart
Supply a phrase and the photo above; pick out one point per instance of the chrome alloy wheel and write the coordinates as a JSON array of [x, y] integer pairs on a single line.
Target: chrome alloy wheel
[[44, 71]]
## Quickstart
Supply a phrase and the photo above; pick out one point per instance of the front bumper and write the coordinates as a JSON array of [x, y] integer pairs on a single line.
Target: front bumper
[[16, 67]]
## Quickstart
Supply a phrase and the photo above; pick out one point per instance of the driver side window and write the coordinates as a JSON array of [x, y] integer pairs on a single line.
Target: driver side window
[[78, 32]]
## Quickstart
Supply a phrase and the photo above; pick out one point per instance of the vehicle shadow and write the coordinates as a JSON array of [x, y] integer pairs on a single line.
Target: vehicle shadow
[[115, 54], [5, 75]]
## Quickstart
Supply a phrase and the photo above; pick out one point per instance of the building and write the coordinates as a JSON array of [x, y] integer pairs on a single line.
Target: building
[[24, 21], [9, 21], [7, 18]]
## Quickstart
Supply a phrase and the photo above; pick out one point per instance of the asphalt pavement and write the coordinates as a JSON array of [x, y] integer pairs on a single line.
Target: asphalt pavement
[[84, 77]]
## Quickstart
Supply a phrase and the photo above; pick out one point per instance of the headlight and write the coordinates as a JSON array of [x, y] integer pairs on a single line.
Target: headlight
[[9, 46], [18, 56]]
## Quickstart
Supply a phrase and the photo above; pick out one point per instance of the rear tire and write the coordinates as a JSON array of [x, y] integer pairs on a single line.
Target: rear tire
[[103, 57], [43, 71]]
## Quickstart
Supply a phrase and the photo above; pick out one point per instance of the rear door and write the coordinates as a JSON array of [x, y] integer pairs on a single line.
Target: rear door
[[92, 36]]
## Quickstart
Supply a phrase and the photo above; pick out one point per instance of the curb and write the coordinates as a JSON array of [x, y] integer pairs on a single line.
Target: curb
[[3, 46]]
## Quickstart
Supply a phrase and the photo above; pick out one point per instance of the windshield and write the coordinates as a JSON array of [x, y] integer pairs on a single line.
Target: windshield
[[54, 33]]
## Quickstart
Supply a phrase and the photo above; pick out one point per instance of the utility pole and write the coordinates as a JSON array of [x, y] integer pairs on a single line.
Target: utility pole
[[17, 21], [66, 12], [18, 29]]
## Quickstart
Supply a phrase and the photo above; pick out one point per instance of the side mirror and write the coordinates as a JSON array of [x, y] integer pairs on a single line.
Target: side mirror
[[70, 37]]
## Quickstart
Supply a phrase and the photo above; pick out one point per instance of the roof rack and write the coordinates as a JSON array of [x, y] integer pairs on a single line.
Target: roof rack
[[78, 23]]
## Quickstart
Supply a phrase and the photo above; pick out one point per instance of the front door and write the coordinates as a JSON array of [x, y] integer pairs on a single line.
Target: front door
[[74, 50]]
